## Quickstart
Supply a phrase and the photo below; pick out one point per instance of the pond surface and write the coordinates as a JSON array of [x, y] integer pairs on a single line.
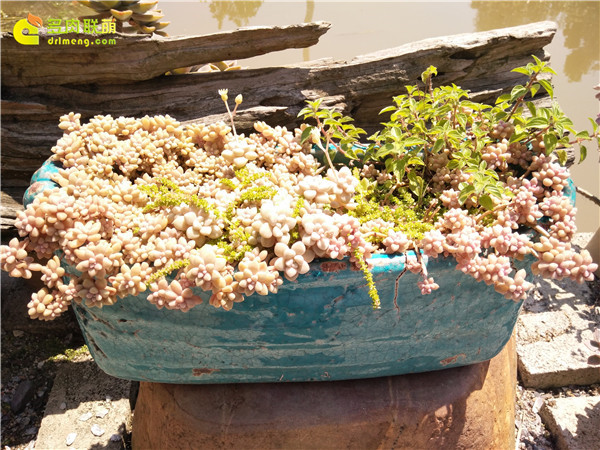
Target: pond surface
[[364, 27]]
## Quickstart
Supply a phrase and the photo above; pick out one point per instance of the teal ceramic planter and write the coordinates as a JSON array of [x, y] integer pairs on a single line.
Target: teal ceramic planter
[[320, 327]]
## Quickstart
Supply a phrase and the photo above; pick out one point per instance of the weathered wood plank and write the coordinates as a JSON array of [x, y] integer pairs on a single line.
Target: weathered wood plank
[[136, 58], [10, 205]]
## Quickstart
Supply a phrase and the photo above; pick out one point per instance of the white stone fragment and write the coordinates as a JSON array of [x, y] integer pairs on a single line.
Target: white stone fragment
[[97, 430], [85, 417], [70, 438]]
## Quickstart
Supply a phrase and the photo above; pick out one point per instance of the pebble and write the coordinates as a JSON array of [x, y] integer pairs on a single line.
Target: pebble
[[97, 430], [18, 333], [86, 416], [115, 438], [63, 405], [101, 412], [21, 396], [24, 421], [41, 364], [32, 430], [70, 438]]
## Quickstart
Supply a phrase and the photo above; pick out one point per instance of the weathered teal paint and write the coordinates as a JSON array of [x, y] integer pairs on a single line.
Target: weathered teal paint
[[41, 180], [320, 327]]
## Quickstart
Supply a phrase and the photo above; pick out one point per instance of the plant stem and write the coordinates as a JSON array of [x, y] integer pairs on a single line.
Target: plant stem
[[540, 230], [520, 99]]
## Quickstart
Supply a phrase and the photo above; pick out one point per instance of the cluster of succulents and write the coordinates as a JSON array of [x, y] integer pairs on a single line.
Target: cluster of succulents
[[141, 15], [150, 205]]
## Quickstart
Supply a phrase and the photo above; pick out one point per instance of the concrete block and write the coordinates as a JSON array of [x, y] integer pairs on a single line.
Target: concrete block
[[550, 348], [458, 408], [86, 409], [574, 422]]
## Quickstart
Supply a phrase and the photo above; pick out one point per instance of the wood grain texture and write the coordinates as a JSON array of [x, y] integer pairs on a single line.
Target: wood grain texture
[[136, 58]]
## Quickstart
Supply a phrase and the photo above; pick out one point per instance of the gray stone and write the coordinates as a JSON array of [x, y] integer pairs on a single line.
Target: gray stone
[[80, 389], [22, 395], [574, 422], [550, 344]]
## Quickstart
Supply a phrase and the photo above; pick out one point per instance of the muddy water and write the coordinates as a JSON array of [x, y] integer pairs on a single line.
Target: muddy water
[[361, 27]]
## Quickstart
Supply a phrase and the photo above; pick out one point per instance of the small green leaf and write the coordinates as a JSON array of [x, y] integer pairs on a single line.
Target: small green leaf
[[537, 122], [387, 109], [562, 156], [416, 183], [415, 160], [386, 150], [439, 144], [464, 194], [396, 134], [486, 201], [522, 70], [409, 142], [494, 190], [306, 134], [517, 91], [550, 142], [503, 98], [431, 71], [534, 88], [531, 108], [582, 153], [454, 164], [547, 86], [516, 137]]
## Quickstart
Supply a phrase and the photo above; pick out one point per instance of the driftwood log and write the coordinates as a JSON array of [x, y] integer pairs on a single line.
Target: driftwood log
[[31, 107], [138, 58]]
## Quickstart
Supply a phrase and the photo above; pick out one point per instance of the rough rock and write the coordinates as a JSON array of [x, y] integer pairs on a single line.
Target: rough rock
[[22, 395], [574, 422], [464, 407], [550, 345], [82, 386]]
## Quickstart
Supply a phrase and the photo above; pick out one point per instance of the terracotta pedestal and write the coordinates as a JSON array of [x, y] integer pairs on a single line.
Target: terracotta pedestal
[[465, 407]]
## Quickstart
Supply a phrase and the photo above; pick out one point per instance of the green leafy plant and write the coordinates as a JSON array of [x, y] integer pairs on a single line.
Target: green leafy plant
[[430, 124]]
